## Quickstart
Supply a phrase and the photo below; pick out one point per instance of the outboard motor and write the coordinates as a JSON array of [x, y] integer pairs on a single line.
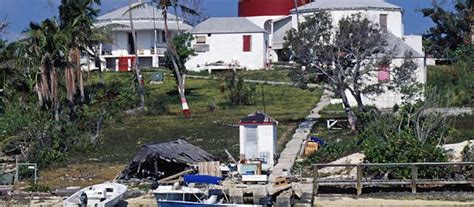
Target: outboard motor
[[83, 199], [154, 185]]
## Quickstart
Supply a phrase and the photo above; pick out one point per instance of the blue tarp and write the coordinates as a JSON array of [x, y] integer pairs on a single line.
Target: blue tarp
[[318, 140], [207, 179]]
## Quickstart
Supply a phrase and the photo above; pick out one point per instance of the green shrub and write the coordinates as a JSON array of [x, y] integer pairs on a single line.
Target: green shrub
[[239, 92], [333, 151], [38, 188], [405, 137]]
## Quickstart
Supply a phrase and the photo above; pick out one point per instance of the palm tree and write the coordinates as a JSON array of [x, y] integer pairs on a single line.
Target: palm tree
[[77, 17], [47, 49], [164, 5], [138, 76]]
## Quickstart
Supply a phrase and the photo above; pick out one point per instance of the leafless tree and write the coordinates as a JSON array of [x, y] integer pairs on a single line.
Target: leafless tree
[[347, 58]]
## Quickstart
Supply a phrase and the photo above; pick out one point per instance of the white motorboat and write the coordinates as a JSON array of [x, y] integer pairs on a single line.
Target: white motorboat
[[100, 195]]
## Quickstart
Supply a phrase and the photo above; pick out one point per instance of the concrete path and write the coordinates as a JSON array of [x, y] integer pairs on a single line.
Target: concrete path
[[294, 146]]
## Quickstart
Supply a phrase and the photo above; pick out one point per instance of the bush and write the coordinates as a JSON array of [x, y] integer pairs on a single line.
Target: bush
[[333, 151], [239, 92], [38, 188], [408, 136]]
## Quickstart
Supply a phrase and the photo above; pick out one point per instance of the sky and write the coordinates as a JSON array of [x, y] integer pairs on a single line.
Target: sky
[[19, 13]]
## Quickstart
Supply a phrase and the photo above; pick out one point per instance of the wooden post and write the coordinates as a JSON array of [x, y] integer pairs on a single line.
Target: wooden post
[[315, 183], [414, 177], [359, 180]]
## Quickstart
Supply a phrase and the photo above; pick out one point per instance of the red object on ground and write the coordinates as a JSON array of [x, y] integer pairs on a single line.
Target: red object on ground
[[249, 8], [123, 63]]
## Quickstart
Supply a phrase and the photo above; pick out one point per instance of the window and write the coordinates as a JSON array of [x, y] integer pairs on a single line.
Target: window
[[247, 43], [384, 73], [201, 39], [163, 37], [383, 21]]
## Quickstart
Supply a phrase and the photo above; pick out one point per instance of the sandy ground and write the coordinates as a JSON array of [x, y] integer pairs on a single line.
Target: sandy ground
[[351, 202], [148, 201]]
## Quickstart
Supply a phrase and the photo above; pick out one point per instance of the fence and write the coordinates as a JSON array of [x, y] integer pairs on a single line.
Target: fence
[[360, 181]]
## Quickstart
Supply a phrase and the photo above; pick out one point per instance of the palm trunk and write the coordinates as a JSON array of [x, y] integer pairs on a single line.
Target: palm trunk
[[174, 60], [135, 64], [70, 83], [54, 93], [76, 59], [351, 117]]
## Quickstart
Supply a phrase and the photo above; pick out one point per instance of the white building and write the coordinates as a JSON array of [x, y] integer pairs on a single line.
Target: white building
[[222, 42], [258, 139], [389, 18], [149, 26]]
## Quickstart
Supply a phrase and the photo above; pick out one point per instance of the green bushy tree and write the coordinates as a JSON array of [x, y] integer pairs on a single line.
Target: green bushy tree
[[238, 92]]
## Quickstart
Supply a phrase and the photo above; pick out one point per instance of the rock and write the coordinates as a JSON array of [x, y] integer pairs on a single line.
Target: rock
[[344, 172], [455, 150]]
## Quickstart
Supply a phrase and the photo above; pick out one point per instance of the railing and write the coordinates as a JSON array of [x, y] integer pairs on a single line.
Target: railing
[[359, 182]]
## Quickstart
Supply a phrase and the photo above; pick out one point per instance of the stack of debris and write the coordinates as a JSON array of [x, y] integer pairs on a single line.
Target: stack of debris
[[164, 159]]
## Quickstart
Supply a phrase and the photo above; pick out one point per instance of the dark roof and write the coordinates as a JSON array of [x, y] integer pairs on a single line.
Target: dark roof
[[164, 159], [178, 151], [257, 118]]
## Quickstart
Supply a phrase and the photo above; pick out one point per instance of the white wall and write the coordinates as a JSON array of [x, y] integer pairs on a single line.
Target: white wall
[[267, 140], [145, 40], [389, 98], [228, 47], [120, 43], [415, 42], [394, 18]]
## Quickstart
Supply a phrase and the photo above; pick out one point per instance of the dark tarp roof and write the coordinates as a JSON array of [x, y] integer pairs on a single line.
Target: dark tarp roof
[[258, 117], [170, 157]]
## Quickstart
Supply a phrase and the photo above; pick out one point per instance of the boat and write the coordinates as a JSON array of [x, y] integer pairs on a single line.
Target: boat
[[178, 193], [100, 195], [178, 196], [194, 204]]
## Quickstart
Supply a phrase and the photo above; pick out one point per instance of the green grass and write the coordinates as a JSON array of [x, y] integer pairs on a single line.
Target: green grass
[[463, 129], [268, 75], [279, 75], [122, 138]]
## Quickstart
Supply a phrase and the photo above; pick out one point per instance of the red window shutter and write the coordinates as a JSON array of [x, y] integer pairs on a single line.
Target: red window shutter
[[384, 73], [247, 43]]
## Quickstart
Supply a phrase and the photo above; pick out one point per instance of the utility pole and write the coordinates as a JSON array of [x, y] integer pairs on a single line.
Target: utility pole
[[297, 15], [263, 100]]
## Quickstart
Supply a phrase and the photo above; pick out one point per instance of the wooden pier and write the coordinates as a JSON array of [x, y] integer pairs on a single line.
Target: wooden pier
[[413, 182]]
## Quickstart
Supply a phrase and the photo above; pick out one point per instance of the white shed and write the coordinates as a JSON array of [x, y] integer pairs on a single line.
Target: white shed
[[258, 139]]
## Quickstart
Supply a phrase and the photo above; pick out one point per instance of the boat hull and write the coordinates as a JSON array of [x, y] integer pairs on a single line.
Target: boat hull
[[111, 201], [192, 204]]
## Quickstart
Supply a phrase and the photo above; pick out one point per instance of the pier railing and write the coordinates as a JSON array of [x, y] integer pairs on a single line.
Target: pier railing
[[360, 181]]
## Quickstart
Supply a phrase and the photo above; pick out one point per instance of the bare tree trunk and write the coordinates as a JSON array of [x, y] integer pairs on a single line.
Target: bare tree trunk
[[360, 103], [99, 63], [351, 117], [174, 60], [139, 78]]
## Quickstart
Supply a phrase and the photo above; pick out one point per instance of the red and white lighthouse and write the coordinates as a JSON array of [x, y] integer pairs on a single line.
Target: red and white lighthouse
[[251, 8]]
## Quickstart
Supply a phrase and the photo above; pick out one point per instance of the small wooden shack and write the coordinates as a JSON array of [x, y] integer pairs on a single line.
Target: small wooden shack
[[165, 159], [258, 139]]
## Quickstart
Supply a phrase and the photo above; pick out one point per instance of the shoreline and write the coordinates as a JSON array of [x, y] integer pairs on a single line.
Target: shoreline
[[320, 201]]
